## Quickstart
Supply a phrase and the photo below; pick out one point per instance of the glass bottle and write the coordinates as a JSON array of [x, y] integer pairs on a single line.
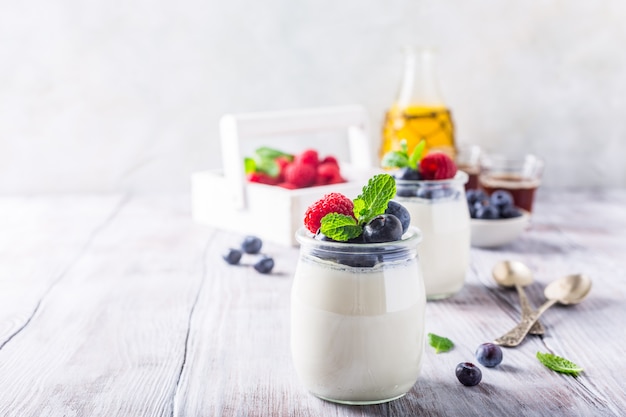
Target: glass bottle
[[357, 318], [419, 111]]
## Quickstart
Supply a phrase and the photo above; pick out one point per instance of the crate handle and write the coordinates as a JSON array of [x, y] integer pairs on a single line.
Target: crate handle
[[235, 128]]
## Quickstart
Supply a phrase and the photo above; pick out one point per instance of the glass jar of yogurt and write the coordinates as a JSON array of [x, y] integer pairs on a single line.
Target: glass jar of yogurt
[[439, 209], [357, 318]]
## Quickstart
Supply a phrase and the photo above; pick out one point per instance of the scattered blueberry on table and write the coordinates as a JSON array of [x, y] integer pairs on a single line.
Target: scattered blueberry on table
[[489, 355], [468, 374], [232, 256], [264, 265], [251, 245]]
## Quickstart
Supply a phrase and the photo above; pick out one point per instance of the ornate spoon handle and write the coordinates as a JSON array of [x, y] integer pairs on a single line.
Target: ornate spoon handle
[[527, 310], [515, 336]]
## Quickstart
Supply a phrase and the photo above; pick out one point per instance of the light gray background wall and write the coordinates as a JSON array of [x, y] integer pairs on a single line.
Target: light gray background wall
[[108, 95]]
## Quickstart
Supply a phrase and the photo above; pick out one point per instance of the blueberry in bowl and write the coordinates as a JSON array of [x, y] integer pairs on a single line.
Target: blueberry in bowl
[[495, 221]]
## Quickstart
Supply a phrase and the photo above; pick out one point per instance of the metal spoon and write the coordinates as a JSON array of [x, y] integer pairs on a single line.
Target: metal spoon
[[571, 289], [516, 274]]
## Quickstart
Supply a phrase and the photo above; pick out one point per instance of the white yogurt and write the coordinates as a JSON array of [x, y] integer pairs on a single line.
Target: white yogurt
[[357, 334]]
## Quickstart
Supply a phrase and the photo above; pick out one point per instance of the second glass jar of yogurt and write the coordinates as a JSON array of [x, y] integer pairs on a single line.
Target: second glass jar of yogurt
[[357, 318], [439, 209]]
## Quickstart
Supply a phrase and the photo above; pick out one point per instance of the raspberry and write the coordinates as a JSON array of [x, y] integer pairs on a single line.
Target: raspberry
[[337, 180], [326, 173], [300, 175], [309, 157], [282, 163], [287, 185], [262, 178], [437, 166], [330, 160], [331, 203]]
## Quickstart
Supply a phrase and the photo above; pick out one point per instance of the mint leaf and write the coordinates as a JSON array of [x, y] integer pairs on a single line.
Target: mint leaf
[[374, 198], [269, 153], [440, 343], [404, 147], [249, 165], [267, 166], [264, 161], [395, 159], [559, 364], [340, 227], [401, 158], [416, 155]]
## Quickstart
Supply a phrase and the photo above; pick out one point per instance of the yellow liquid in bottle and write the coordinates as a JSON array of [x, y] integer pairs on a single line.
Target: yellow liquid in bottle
[[416, 122]]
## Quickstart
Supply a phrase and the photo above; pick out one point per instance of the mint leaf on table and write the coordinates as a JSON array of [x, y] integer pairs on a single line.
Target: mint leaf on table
[[374, 198], [340, 227], [559, 364], [440, 343]]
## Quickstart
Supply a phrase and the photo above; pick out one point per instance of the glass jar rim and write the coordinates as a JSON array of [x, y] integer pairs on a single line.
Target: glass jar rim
[[413, 236], [461, 177]]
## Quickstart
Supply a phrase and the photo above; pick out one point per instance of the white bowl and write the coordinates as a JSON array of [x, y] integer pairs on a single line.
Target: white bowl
[[498, 232]]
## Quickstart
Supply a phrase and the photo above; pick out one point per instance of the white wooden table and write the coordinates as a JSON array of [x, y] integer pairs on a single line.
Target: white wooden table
[[116, 305]]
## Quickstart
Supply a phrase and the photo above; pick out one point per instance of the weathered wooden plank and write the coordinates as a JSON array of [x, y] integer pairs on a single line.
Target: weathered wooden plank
[[40, 238], [109, 337]]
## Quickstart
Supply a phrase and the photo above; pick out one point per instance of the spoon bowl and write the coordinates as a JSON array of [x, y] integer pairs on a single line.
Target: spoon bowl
[[510, 273], [571, 289]]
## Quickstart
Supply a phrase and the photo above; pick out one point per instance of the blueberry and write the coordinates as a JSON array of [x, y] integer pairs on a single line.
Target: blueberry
[[264, 265], [405, 190], [383, 228], [251, 244], [473, 196], [358, 239], [233, 256], [501, 199], [509, 212], [359, 260], [487, 212], [408, 174], [434, 193], [428, 193], [322, 237], [489, 355], [468, 374], [476, 203], [424, 193], [472, 210], [400, 212]]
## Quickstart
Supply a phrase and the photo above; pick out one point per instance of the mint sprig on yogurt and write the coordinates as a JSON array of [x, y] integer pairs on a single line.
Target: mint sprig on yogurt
[[340, 227], [374, 198], [402, 159], [370, 222]]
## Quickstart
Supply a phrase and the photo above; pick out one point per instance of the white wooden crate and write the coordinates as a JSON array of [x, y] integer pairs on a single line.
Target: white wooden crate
[[227, 201]]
